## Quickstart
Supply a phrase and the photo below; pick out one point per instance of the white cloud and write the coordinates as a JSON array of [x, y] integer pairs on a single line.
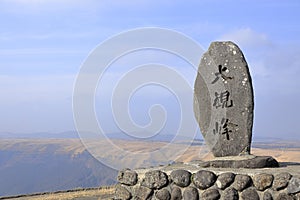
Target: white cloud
[[247, 38]]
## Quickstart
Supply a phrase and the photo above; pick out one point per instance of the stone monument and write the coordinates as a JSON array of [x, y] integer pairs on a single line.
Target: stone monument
[[224, 104]]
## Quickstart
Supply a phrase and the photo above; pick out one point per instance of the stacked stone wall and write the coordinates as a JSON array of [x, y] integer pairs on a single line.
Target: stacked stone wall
[[206, 184]]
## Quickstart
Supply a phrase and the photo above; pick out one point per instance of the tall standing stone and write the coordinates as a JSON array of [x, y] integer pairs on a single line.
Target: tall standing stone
[[223, 100]]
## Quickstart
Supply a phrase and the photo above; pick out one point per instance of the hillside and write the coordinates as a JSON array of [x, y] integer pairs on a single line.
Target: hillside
[[30, 166], [47, 165]]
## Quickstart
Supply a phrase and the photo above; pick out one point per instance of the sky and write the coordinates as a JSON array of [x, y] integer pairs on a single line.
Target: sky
[[43, 44]]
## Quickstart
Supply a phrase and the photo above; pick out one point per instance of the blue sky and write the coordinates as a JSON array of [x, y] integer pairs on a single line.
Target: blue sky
[[44, 43]]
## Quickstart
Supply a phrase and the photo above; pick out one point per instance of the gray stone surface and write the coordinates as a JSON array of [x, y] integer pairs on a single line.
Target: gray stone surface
[[281, 180], [294, 185], [122, 193], [250, 194], [297, 196], [267, 196], [230, 194], [155, 179], [263, 181], [204, 179], [241, 182], [253, 162], [284, 196], [163, 194], [176, 193], [223, 100], [141, 192], [210, 194], [181, 177], [127, 177], [224, 180], [190, 193]]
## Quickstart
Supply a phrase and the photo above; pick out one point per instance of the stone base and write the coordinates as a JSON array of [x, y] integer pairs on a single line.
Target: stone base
[[189, 181], [246, 161]]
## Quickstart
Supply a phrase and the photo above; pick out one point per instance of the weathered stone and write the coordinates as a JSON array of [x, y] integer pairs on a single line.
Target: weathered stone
[[210, 194], [141, 192], [230, 194], [294, 185], [281, 180], [250, 162], [127, 177], [224, 180], [204, 179], [241, 182], [263, 181], [176, 194], [267, 196], [181, 177], [122, 193], [155, 179], [223, 100], [284, 196], [297, 196], [190, 193], [163, 194], [250, 194]]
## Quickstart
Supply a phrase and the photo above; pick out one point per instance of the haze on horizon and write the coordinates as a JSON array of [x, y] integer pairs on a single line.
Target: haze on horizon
[[44, 43]]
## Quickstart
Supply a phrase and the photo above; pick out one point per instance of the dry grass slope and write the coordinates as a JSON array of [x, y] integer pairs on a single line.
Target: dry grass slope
[[283, 153], [102, 193]]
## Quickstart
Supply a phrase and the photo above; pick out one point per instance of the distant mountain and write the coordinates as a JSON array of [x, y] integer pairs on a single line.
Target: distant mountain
[[74, 134]]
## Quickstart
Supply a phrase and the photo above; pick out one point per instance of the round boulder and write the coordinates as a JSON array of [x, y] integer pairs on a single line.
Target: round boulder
[[267, 196], [210, 194], [127, 177], [181, 177], [204, 179], [262, 181], [176, 194], [155, 179], [230, 194], [250, 194], [224, 180], [241, 182], [191, 193], [163, 194], [281, 180]]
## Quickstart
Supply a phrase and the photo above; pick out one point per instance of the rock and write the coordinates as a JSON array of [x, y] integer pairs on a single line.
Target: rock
[[176, 194], [250, 194], [127, 177], [230, 194], [294, 185], [141, 192], [284, 196], [267, 196], [241, 182], [181, 177], [163, 194], [204, 179], [122, 193], [224, 180], [251, 162], [281, 180], [263, 181], [155, 179], [210, 194], [190, 193], [223, 92], [297, 196]]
